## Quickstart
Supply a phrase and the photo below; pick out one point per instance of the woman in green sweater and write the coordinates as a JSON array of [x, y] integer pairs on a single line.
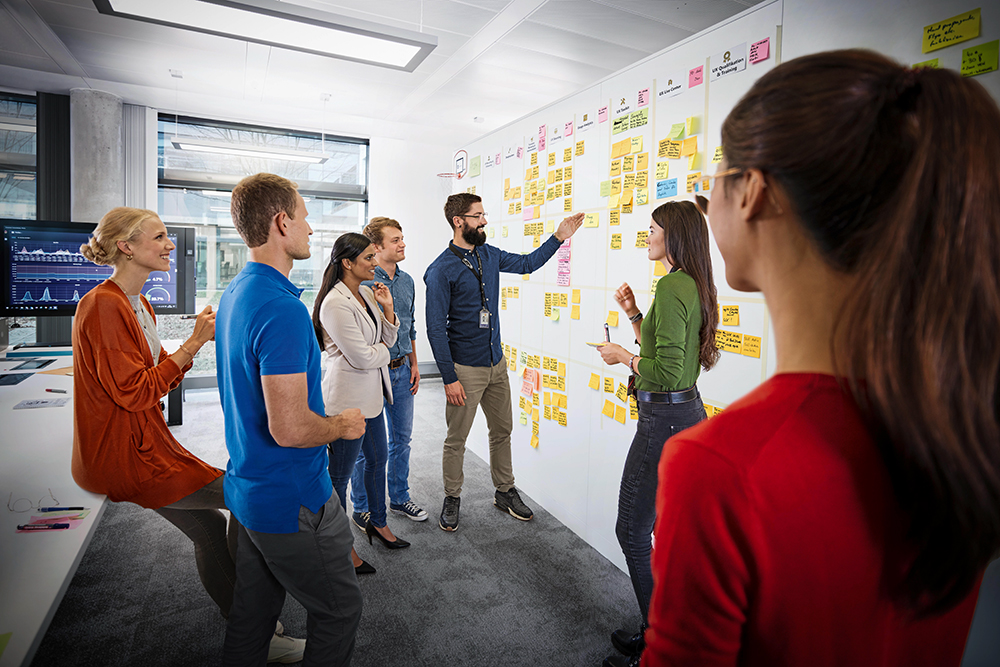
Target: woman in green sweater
[[677, 340]]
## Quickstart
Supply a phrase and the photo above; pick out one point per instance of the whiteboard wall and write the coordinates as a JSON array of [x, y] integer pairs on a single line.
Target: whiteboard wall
[[575, 470]]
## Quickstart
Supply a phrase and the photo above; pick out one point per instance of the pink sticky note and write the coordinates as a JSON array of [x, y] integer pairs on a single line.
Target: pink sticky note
[[497, 161], [760, 50], [541, 137], [602, 115], [644, 97], [695, 76], [520, 152], [563, 280], [529, 212], [568, 129]]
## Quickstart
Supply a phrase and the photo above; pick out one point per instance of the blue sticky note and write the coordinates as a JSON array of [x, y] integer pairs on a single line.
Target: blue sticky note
[[667, 188]]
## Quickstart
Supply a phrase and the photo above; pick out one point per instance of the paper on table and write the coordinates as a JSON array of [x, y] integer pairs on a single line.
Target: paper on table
[[32, 403]]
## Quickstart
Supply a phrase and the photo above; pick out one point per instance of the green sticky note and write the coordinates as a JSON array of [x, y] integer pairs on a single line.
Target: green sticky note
[[620, 124], [928, 63], [981, 59], [475, 166], [605, 188], [524, 419], [676, 131]]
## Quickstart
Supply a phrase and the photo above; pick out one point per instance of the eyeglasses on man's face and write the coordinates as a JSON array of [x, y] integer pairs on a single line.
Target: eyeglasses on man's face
[[477, 216]]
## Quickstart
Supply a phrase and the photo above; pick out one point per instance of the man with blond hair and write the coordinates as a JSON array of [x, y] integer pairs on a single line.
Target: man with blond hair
[[293, 534], [387, 235]]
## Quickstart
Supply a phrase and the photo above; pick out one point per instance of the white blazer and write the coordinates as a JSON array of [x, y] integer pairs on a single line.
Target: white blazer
[[356, 361]]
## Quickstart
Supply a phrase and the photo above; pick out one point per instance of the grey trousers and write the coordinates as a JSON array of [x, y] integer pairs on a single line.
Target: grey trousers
[[314, 565], [489, 387]]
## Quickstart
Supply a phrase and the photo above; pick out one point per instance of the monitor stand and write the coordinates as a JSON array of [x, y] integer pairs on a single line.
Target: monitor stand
[[53, 332]]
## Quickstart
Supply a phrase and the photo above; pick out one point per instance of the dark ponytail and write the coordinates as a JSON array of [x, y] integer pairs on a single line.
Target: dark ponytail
[[895, 174], [687, 244], [347, 246]]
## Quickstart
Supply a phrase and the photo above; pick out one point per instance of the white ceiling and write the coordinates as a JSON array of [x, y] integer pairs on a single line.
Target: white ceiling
[[496, 59]]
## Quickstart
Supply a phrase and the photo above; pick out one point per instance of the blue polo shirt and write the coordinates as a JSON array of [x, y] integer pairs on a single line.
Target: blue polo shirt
[[403, 293], [454, 302], [263, 329]]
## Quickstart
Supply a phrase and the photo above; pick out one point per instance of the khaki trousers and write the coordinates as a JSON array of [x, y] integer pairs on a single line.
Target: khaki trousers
[[490, 388]]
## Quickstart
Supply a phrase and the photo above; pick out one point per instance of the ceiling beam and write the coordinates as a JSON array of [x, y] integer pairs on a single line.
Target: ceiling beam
[[46, 39]]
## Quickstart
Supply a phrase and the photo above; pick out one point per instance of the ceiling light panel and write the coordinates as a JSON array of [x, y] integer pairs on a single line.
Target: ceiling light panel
[[286, 26]]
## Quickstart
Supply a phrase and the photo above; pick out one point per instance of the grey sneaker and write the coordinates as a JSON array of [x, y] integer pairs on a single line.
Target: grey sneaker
[[285, 650], [511, 502], [410, 510], [449, 514], [361, 520]]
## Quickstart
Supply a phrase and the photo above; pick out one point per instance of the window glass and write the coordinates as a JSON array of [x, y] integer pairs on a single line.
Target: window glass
[[199, 163]]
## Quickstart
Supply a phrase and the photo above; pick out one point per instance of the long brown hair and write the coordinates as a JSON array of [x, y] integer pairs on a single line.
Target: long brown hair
[[895, 174], [685, 234]]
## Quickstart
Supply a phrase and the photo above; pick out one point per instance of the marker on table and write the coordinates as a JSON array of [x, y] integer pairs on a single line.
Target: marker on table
[[44, 526], [60, 509], [56, 391]]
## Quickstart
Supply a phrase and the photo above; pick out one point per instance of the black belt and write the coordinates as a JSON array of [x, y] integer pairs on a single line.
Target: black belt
[[396, 363], [671, 397]]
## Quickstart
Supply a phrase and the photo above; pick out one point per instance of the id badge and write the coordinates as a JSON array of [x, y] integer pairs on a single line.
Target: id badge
[[484, 319]]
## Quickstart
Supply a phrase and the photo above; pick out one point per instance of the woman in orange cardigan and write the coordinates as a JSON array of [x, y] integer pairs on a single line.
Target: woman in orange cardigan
[[121, 444]]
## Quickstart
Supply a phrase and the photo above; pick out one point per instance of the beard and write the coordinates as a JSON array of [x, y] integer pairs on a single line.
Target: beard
[[474, 236]]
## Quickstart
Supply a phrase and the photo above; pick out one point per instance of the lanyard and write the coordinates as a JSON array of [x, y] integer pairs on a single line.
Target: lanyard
[[477, 274]]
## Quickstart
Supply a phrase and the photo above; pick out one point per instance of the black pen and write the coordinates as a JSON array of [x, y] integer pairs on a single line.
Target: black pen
[[189, 317], [59, 509], [44, 526]]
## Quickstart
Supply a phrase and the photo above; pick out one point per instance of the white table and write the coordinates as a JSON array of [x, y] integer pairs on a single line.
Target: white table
[[36, 568]]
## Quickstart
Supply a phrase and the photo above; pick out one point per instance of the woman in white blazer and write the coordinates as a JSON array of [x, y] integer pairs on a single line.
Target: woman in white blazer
[[356, 335]]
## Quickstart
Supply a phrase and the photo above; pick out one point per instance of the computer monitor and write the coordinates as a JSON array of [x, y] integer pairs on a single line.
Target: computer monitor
[[44, 274]]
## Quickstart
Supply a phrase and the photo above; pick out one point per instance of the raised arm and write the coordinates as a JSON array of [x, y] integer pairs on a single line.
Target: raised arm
[[514, 263]]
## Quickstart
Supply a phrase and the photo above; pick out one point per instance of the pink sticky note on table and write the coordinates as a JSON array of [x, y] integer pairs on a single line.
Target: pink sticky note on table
[[760, 50], [541, 137], [695, 76], [602, 114], [568, 129], [644, 97]]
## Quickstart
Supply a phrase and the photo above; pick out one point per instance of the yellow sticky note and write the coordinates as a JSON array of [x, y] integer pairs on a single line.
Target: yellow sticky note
[[662, 170], [674, 150], [751, 346], [614, 201], [510, 209], [563, 301], [628, 163], [537, 212], [689, 146], [628, 181], [981, 58], [642, 161], [619, 414], [503, 231], [641, 179], [731, 316], [691, 125], [609, 409], [534, 427], [523, 419], [567, 154], [574, 313], [549, 226], [568, 172], [717, 156], [633, 408], [534, 174], [552, 159], [568, 205], [950, 31], [626, 199], [636, 144], [536, 241], [506, 184], [567, 189], [551, 177], [517, 207], [555, 315], [591, 220], [615, 217], [616, 167], [561, 369], [609, 385], [616, 241], [612, 318], [622, 392], [616, 186], [547, 400], [534, 441], [561, 419], [693, 161], [641, 238], [692, 179], [641, 198], [579, 147], [533, 158], [576, 296], [659, 269], [595, 381], [562, 401], [491, 232], [733, 343]]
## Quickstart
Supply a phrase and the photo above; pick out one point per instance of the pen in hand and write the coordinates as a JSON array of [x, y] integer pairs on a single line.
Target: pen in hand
[[607, 333]]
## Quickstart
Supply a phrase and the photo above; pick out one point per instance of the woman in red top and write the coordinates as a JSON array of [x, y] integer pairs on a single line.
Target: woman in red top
[[843, 512], [121, 444]]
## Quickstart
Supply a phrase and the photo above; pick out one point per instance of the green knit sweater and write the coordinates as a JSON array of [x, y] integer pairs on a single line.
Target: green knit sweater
[[669, 345]]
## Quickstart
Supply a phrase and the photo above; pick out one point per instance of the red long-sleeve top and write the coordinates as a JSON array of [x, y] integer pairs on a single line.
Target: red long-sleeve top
[[777, 539]]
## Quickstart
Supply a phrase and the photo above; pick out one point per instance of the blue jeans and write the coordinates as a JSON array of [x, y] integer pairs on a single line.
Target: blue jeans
[[400, 425], [637, 496], [344, 453]]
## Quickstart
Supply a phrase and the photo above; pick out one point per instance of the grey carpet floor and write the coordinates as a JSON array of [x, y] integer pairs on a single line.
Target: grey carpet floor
[[496, 592]]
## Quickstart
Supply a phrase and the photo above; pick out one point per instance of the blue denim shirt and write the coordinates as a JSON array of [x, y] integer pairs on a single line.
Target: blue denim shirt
[[402, 289], [454, 302]]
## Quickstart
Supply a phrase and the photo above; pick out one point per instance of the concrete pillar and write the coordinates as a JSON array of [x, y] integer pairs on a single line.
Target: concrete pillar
[[97, 151]]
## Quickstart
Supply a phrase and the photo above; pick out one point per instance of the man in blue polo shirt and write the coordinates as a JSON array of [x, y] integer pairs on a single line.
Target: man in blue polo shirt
[[293, 534], [463, 327], [387, 236]]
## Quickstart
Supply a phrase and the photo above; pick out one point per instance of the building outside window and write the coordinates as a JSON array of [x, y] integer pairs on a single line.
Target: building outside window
[[199, 162]]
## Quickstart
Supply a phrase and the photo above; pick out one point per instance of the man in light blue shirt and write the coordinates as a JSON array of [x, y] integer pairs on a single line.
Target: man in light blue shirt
[[387, 235]]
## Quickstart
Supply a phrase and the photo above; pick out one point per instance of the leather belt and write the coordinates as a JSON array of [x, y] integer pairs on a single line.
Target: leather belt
[[671, 397], [396, 363]]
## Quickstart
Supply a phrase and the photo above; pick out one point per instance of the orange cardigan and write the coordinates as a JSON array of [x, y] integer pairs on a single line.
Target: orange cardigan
[[121, 444]]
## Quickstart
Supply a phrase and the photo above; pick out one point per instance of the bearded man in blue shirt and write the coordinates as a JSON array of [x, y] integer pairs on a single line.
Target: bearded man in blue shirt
[[463, 327]]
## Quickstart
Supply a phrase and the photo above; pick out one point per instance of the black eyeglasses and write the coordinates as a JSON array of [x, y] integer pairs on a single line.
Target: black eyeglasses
[[477, 216]]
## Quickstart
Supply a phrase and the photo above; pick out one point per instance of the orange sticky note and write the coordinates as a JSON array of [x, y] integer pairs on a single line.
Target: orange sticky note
[[689, 146], [534, 441]]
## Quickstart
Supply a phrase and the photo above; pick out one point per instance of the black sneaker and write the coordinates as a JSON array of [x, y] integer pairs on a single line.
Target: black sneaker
[[449, 514], [510, 502], [629, 643], [361, 520]]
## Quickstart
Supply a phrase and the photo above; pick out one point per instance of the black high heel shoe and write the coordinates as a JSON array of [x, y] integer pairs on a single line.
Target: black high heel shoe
[[398, 544], [364, 568]]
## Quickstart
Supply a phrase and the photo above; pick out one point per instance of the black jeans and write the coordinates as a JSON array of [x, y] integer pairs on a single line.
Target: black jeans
[[637, 496]]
